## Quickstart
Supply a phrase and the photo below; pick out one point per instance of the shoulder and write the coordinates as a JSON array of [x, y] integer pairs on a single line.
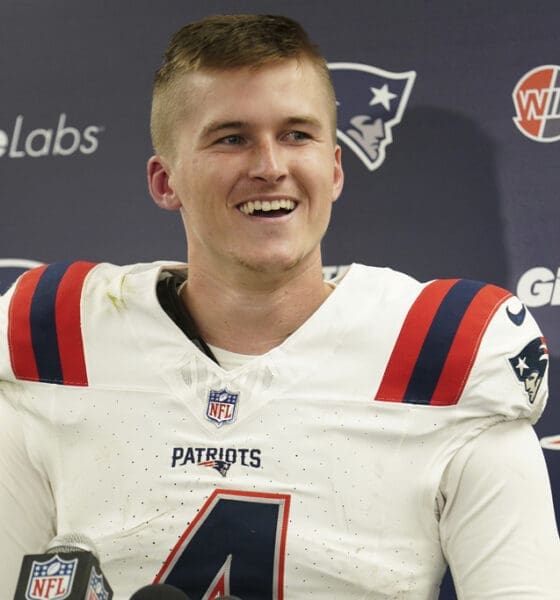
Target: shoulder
[[362, 278], [459, 344], [42, 314]]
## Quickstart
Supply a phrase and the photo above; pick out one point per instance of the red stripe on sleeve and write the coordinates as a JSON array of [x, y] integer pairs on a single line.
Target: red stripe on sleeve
[[466, 342], [411, 338], [22, 355], [68, 324]]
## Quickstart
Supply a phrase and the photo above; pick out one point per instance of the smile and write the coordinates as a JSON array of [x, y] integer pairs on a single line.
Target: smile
[[268, 206]]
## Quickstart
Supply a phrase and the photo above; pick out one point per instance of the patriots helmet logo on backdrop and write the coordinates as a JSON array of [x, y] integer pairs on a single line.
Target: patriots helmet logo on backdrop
[[370, 102]]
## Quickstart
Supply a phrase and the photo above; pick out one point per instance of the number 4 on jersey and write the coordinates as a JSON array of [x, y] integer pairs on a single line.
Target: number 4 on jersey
[[235, 545]]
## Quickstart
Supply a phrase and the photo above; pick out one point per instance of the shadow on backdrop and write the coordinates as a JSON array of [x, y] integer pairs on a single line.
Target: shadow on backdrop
[[432, 209]]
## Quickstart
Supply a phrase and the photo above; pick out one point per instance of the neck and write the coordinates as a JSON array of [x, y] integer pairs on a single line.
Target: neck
[[253, 318]]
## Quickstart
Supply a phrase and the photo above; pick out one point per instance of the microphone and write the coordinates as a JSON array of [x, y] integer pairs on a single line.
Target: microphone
[[68, 569], [159, 591]]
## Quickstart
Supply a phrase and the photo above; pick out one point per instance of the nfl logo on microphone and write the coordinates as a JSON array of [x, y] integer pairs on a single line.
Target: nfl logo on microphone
[[222, 405], [96, 587], [51, 580]]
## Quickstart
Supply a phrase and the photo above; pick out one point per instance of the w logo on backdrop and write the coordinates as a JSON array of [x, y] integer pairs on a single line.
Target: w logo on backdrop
[[371, 101], [537, 104]]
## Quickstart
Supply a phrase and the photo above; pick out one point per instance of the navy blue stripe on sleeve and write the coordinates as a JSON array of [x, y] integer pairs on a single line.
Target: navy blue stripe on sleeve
[[435, 349], [43, 324]]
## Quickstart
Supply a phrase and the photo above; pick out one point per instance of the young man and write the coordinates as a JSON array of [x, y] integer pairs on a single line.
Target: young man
[[242, 427]]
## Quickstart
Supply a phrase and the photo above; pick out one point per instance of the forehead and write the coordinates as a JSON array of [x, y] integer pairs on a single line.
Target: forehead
[[273, 90]]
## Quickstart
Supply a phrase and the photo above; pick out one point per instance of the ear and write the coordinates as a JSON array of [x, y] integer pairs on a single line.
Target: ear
[[158, 172], [338, 174]]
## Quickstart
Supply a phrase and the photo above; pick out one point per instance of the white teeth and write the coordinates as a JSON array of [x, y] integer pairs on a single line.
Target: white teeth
[[250, 207]]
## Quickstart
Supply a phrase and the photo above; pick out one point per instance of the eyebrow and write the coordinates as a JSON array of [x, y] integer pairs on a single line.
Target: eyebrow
[[309, 120], [217, 126]]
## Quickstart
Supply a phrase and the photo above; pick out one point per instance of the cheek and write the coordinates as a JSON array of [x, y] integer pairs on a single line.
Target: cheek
[[317, 174], [192, 182], [214, 175]]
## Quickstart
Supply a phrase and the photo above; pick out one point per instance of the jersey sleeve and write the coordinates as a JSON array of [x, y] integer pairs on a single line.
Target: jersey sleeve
[[27, 514], [497, 525], [498, 529]]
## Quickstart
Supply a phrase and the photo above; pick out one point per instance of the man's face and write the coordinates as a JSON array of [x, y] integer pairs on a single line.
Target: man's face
[[253, 140]]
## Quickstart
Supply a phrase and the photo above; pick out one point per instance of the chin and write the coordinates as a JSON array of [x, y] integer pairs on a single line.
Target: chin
[[271, 265]]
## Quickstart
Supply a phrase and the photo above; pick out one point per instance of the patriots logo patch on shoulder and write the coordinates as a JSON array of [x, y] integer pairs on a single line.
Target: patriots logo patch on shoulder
[[370, 102], [530, 366]]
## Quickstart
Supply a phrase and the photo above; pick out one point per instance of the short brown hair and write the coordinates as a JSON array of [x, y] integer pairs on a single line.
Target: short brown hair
[[227, 42]]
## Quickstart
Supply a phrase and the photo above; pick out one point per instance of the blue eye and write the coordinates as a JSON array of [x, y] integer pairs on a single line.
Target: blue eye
[[298, 136], [231, 140]]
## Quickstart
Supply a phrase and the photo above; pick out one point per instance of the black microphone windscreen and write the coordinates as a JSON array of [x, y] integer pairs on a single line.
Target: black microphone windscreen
[[159, 591]]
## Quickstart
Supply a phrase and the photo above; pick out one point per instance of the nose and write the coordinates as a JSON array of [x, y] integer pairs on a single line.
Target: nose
[[268, 162]]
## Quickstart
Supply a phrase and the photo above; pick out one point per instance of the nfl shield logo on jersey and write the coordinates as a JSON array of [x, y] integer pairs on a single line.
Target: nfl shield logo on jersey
[[370, 102], [51, 580], [222, 405]]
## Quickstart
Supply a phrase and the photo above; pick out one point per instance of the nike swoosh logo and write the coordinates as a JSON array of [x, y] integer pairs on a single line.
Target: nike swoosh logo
[[517, 318]]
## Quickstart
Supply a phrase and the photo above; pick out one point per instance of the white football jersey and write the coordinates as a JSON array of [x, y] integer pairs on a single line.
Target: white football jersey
[[312, 471]]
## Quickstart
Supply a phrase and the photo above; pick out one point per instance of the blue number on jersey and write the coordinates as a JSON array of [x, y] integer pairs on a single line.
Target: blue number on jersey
[[236, 545]]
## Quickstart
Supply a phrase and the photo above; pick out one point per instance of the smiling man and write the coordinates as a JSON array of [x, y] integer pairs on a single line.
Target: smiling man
[[237, 425], [254, 169]]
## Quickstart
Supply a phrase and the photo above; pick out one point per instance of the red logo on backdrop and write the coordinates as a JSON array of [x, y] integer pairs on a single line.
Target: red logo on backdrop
[[537, 104]]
